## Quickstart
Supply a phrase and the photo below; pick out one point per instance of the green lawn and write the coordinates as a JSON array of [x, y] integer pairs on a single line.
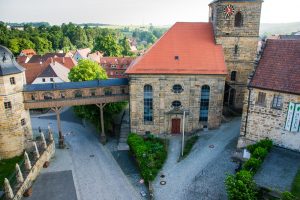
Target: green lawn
[[189, 145], [296, 186], [7, 167]]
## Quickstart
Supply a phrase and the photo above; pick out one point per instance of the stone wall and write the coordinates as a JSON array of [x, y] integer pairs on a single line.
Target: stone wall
[[245, 37], [267, 122], [163, 96], [13, 134], [35, 170]]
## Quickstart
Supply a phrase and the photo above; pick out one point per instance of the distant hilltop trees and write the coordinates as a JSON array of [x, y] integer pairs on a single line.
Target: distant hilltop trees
[[109, 39]]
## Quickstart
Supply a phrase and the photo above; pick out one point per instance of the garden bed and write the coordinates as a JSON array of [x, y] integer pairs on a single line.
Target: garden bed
[[150, 154]]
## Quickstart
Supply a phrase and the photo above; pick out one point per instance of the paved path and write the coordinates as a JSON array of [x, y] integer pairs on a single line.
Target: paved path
[[96, 174], [180, 176]]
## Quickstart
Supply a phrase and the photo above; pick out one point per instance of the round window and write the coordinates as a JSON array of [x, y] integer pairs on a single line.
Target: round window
[[177, 88], [176, 104]]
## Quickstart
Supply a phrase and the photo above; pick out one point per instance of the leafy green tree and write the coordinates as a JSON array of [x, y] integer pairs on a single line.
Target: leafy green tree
[[108, 43], [42, 45], [80, 38], [89, 70], [18, 44], [66, 44], [125, 47]]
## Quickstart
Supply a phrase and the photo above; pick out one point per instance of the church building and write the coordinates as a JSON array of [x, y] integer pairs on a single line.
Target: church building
[[180, 82]]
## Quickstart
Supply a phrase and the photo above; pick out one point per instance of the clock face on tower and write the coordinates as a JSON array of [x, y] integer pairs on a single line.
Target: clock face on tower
[[228, 10]]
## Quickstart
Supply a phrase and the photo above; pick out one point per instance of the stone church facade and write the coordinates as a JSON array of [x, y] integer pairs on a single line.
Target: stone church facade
[[234, 27]]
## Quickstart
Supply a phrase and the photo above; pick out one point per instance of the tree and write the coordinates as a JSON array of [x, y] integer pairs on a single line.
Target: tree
[[108, 43], [42, 45], [80, 38], [89, 70], [66, 44], [125, 47], [18, 44]]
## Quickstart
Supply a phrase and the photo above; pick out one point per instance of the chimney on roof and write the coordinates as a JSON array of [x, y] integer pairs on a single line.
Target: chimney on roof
[[51, 59]]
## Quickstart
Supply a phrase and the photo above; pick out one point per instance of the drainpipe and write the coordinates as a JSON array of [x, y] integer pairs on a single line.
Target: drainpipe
[[248, 107]]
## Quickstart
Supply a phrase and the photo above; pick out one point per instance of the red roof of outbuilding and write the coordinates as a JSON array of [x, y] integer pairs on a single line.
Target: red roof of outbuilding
[[279, 67], [186, 48]]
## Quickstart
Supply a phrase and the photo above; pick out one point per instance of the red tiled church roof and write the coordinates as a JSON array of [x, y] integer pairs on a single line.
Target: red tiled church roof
[[186, 48], [279, 67]]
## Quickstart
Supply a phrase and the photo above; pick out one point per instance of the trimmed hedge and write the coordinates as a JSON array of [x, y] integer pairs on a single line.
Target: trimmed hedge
[[266, 144], [150, 154]]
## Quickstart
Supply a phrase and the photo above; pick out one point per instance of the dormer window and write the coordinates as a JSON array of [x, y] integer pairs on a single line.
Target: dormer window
[[113, 66]]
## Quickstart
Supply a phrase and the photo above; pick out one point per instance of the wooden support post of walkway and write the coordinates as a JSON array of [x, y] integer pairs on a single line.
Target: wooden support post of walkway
[[61, 137], [102, 136]]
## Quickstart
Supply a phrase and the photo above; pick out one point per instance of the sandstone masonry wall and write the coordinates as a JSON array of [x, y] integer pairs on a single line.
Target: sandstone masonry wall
[[267, 122], [163, 96], [13, 134]]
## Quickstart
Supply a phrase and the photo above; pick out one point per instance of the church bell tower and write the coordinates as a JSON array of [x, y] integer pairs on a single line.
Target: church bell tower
[[236, 27]]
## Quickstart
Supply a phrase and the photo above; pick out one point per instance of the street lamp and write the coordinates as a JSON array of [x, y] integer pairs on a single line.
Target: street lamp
[[182, 144]]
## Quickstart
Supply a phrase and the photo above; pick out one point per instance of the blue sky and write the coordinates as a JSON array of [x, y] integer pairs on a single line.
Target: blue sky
[[158, 12]]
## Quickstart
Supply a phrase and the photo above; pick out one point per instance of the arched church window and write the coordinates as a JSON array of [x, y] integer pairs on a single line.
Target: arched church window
[[238, 21], [148, 103], [204, 103]]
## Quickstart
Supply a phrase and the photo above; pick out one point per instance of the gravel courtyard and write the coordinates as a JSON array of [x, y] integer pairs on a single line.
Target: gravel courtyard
[[201, 175], [95, 172]]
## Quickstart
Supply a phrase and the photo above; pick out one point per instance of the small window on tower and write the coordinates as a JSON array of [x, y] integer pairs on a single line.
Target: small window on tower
[[236, 49], [7, 105], [23, 122], [12, 81]]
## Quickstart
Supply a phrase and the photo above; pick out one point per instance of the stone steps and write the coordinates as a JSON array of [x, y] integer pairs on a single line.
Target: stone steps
[[124, 132]]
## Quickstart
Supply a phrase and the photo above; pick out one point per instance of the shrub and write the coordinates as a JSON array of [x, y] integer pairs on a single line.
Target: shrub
[[287, 196], [150, 154], [252, 165], [260, 153], [241, 186], [265, 143]]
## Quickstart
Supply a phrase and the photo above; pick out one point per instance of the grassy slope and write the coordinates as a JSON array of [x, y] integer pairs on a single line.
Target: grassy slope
[[296, 185], [7, 167]]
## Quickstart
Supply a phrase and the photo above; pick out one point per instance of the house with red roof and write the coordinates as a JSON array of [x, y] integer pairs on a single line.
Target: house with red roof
[[115, 67], [179, 83], [273, 101], [27, 52], [81, 54], [180, 79]]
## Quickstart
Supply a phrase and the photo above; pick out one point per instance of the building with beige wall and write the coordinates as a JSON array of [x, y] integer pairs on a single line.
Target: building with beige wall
[[15, 125], [182, 74], [236, 27], [272, 104]]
